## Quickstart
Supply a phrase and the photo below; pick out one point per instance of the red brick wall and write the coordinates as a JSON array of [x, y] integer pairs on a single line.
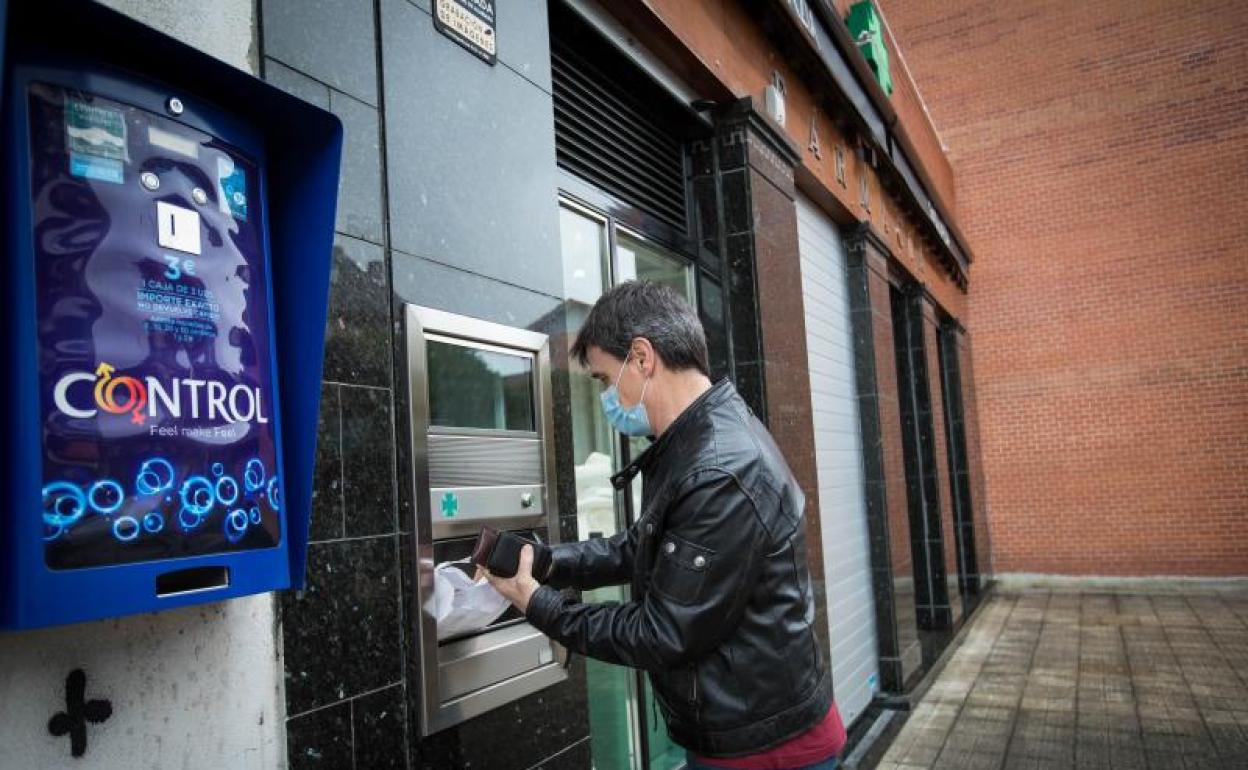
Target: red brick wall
[[1101, 153]]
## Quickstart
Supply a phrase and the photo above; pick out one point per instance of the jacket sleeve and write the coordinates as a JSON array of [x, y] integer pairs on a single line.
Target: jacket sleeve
[[593, 563], [706, 563]]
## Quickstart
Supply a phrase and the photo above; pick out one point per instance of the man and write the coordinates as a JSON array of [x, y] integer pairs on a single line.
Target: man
[[722, 609]]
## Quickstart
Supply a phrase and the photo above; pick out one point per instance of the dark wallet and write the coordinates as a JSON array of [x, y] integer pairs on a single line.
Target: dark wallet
[[499, 552]]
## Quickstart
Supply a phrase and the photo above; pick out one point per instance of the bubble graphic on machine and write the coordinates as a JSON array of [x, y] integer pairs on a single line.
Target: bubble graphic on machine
[[106, 496], [253, 475], [153, 522], [482, 449], [155, 476], [67, 507]]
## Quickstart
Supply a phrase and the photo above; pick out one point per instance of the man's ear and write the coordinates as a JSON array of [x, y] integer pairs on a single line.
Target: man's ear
[[643, 353]]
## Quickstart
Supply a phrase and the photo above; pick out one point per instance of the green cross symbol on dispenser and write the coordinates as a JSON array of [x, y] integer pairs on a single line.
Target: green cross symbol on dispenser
[[450, 505]]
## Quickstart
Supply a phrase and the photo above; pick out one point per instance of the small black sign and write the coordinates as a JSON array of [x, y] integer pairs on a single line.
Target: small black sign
[[469, 23]]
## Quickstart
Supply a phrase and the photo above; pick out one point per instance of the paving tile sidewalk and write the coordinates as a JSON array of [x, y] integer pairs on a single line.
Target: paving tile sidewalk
[[1089, 680]]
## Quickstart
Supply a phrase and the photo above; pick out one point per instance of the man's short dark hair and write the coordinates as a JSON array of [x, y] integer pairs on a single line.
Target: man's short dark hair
[[644, 309]]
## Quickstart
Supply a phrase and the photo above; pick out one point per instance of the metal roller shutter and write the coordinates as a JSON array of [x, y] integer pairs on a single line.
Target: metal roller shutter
[[838, 459]]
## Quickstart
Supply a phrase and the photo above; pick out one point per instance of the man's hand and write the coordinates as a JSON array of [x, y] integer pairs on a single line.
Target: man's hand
[[518, 589]]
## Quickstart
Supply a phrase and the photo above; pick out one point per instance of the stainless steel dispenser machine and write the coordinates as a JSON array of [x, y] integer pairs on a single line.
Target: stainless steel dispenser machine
[[482, 453]]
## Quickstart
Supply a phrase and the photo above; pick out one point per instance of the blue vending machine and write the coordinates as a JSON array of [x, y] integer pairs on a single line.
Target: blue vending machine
[[169, 225]]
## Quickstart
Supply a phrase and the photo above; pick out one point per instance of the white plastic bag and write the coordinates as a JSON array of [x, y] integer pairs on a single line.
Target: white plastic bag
[[461, 605]]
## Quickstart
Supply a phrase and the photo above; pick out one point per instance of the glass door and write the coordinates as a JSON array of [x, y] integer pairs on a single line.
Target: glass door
[[627, 732], [613, 717], [644, 260]]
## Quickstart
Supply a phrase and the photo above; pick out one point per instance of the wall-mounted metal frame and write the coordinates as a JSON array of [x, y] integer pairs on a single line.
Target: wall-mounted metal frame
[[463, 678]]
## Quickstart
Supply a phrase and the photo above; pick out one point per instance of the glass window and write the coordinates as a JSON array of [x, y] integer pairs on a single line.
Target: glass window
[[583, 239], [471, 387], [616, 694], [646, 261], [612, 689]]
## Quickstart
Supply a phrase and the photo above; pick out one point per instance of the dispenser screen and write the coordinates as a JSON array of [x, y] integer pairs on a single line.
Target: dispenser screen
[[472, 387], [155, 369]]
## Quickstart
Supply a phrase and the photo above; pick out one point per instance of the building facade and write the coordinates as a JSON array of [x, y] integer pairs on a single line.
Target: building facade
[[744, 153]]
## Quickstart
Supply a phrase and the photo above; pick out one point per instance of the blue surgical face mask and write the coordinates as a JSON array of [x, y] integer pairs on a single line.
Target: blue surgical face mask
[[629, 420]]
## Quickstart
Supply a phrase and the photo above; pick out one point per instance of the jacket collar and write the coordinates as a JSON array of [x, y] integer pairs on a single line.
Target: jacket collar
[[644, 461]]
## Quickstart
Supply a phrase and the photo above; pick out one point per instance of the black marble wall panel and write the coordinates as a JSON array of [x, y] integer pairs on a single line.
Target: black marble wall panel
[[959, 473], [741, 291], [715, 323], [887, 515], [365, 732], [921, 532], [974, 461], [321, 739], [378, 724], [742, 182], [725, 226], [935, 606], [936, 473], [720, 185], [575, 757], [368, 462], [327, 520], [357, 326], [341, 633], [704, 184]]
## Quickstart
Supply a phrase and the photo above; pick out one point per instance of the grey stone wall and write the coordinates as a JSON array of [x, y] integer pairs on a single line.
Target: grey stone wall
[[448, 200]]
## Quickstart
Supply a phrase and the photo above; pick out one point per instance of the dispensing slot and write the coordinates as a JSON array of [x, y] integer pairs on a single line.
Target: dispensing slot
[[189, 581]]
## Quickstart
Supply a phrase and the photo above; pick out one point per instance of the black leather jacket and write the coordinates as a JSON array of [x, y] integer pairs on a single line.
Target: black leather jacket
[[722, 609]]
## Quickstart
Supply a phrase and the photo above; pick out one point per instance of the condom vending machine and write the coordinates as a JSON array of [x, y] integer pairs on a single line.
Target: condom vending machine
[[169, 222]]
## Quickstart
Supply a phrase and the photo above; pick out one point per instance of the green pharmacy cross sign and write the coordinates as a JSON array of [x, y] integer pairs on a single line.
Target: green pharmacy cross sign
[[867, 29], [450, 505]]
